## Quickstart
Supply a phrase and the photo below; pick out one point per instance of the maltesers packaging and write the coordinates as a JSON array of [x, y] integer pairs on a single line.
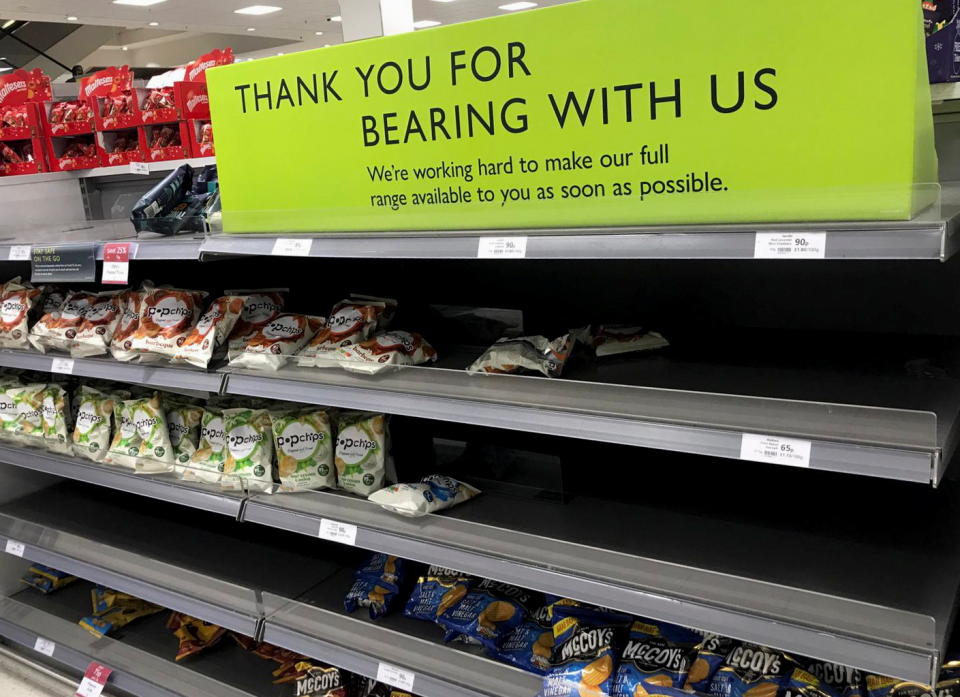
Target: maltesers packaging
[[67, 118], [157, 106], [72, 153], [22, 157], [114, 101], [21, 92], [201, 138], [117, 148], [168, 141]]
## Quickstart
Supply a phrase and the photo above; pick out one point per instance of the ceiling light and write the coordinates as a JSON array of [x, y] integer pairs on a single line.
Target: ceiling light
[[424, 23], [3, 70], [154, 24], [336, 18], [280, 54], [8, 23], [514, 6], [318, 33], [138, 3], [124, 48], [443, 0], [257, 10], [71, 18], [251, 28]]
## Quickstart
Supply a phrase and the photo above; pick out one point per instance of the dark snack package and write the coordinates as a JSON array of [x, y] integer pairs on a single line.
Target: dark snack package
[[436, 592], [488, 613], [45, 579], [194, 634], [842, 681], [161, 199], [749, 670], [587, 644], [315, 680], [801, 683], [710, 654], [656, 653], [376, 585]]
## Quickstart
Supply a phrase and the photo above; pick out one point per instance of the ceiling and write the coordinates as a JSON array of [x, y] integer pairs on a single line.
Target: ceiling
[[183, 21]]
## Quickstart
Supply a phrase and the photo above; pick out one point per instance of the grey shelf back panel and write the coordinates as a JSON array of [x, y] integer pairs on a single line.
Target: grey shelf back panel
[[161, 375], [740, 579], [906, 443], [134, 671], [316, 625], [166, 487]]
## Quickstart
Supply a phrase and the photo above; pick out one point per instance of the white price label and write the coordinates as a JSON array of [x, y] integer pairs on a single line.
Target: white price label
[[139, 168], [89, 688], [780, 451], [502, 248], [19, 252], [15, 548], [395, 677], [44, 646], [790, 245], [335, 531], [115, 272], [62, 365], [292, 247]]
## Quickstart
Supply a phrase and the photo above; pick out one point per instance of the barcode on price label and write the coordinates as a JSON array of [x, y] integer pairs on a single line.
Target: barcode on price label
[[19, 252], [335, 531], [63, 366], [395, 677], [290, 247], [44, 646], [780, 451], [502, 248], [790, 245], [15, 548]]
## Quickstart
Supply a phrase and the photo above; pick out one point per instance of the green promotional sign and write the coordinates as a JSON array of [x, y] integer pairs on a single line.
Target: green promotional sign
[[599, 112]]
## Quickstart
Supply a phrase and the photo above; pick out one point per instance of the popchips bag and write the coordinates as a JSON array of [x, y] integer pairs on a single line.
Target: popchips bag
[[166, 317], [100, 321], [58, 329], [362, 455], [183, 425], [249, 445], [91, 434], [156, 451], [206, 464], [304, 446], [259, 308], [16, 301], [205, 340], [56, 418], [269, 347]]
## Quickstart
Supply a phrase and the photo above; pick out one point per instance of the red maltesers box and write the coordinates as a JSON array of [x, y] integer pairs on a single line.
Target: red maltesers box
[[67, 118], [20, 93], [121, 147], [21, 157], [74, 152], [115, 102], [192, 100], [201, 138], [158, 105], [169, 141]]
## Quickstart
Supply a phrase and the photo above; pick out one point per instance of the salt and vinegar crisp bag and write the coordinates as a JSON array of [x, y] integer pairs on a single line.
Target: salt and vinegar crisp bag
[[304, 446], [58, 329], [121, 345], [656, 653], [530, 645], [206, 464], [210, 333], [436, 593], [586, 647], [183, 425], [269, 347], [363, 453], [489, 613], [249, 447], [99, 323], [166, 317], [91, 434], [350, 322], [749, 670], [260, 307], [16, 301], [57, 419], [710, 654], [155, 454]]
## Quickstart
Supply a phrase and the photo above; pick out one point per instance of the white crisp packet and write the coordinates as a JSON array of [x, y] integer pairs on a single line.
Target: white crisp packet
[[429, 495]]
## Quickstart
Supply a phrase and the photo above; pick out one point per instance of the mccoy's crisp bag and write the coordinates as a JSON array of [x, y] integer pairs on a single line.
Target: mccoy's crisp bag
[[206, 464], [304, 447], [656, 653], [194, 635], [386, 350], [58, 329], [57, 419], [530, 645], [841, 680], [350, 322], [16, 301], [45, 579], [586, 647], [156, 452], [249, 450], [429, 495], [363, 453], [91, 434], [376, 585], [260, 307], [749, 670], [489, 612], [269, 347], [798, 682], [166, 317], [183, 425], [710, 654], [121, 345], [205, 340], [99, 323], [436, 593]]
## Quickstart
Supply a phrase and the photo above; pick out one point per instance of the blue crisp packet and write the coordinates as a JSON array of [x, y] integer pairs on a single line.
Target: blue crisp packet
[[530, 645], [437, 591], [710, 654], [656, 653], [390, 569], [45, 579], [376, 585], [842, 681], [488, 613], [749, 667], [587, 646], [802, 683]]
